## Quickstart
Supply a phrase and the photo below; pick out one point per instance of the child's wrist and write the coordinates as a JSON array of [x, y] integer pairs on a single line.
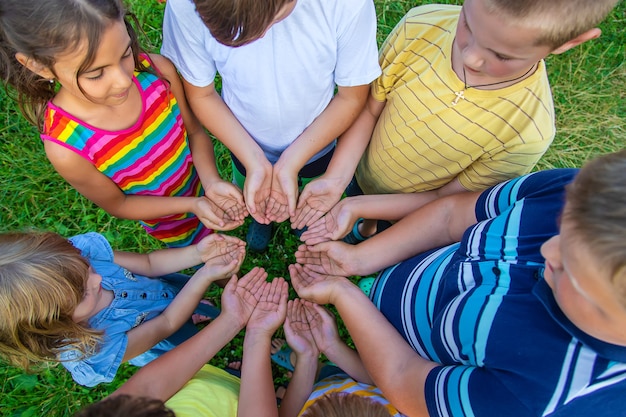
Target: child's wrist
[[258, 332], [306, 357]]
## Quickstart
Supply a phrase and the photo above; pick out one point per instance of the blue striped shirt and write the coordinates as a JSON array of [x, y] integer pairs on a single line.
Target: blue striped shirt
[[482, 310]]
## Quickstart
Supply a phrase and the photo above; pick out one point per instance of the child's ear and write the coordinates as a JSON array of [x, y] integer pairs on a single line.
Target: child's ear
[[584, 37], [34, 66]]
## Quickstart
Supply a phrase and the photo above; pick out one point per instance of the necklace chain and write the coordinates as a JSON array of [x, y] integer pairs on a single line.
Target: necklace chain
[[460, 95], [499, 82]]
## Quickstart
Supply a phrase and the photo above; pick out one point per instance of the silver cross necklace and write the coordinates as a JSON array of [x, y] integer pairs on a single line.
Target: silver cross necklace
[[460, 95]]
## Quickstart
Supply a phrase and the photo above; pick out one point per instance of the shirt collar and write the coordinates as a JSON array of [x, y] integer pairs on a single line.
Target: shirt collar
[[607, 350]]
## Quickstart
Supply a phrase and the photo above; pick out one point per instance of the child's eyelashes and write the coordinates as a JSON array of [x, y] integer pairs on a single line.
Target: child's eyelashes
[[128, 53], [96, 76]]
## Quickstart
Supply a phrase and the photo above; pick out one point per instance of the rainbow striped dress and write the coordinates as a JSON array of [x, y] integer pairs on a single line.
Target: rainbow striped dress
[[152, 157]]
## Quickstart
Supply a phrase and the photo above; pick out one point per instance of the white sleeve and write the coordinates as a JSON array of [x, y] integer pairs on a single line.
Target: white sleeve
[[357, 55], [186, 43]]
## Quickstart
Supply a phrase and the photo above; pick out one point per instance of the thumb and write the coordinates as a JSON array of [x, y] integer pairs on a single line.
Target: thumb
[[231, 284]]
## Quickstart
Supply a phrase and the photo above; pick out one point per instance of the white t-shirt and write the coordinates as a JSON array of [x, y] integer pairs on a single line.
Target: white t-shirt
[[277, 85]]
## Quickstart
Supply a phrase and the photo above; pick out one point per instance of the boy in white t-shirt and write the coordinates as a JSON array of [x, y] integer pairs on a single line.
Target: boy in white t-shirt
[[280, 62]]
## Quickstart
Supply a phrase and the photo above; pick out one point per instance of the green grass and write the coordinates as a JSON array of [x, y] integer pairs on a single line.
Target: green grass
[[588, 85]]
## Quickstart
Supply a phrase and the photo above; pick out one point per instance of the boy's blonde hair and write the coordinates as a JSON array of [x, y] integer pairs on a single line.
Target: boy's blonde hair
[[343, 404], [42, 280], [557, 21], [596, 209], [238, 22]]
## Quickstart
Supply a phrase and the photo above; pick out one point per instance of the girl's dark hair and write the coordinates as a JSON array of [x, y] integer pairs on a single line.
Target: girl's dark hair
[[41, 30], [238, 22]]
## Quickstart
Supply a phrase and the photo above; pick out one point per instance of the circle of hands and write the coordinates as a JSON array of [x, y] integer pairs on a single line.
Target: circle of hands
[[263, 306], [272, 197], [321, 261]]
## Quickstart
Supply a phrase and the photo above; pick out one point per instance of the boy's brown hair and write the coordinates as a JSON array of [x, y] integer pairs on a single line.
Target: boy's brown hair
[[596, 208], [42, 280], [342, 404], [126, 406], [557, 21], [238, 22]]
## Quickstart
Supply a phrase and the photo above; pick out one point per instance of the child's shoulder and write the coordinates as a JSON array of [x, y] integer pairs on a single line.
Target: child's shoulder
[[93, 245], [433, 12], [158, 64], [429, 18]]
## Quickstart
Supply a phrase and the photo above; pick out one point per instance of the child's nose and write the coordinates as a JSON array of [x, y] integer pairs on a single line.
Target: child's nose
[[551, 251], [122, 78], [472, 57]]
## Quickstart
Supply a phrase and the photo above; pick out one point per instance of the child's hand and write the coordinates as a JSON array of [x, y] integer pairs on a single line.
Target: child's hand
[[282, 201], [323, 326], [329, 258], [321, 289], [316, 199], [241, 296], [216, 246], [222, 255], [256, 191], [336, 224], [212, 272], [271, 309], [230, 199], [298, 330], [209, 213]]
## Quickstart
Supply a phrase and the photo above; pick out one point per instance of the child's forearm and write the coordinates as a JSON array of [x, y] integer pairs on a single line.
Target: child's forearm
[[349, 361], [147, 334], [144, 207], [439, 223], [300, 386], [353, 142], [342, 110], [215, 115], [391, 207], [256, 396], [159, 262], [164, 376], [203, 155]]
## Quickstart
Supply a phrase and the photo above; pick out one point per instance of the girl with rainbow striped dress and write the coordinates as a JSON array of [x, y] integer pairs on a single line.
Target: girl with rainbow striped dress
[[116, 126]]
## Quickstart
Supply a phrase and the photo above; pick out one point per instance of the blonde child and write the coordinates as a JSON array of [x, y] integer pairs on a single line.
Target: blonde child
[[114, 121], [280, 62], [78, 302], [463, 103]]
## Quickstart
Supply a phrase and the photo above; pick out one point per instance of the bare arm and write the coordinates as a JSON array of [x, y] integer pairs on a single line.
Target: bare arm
[[164, 376], [147, 334], [223, 193], [103, 192], [215, 115], [215, 248], [438, 223], [340, 219], [400, 372], [256, 397], [326, 335], [319, 196], [332, 122], [300, 339]]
